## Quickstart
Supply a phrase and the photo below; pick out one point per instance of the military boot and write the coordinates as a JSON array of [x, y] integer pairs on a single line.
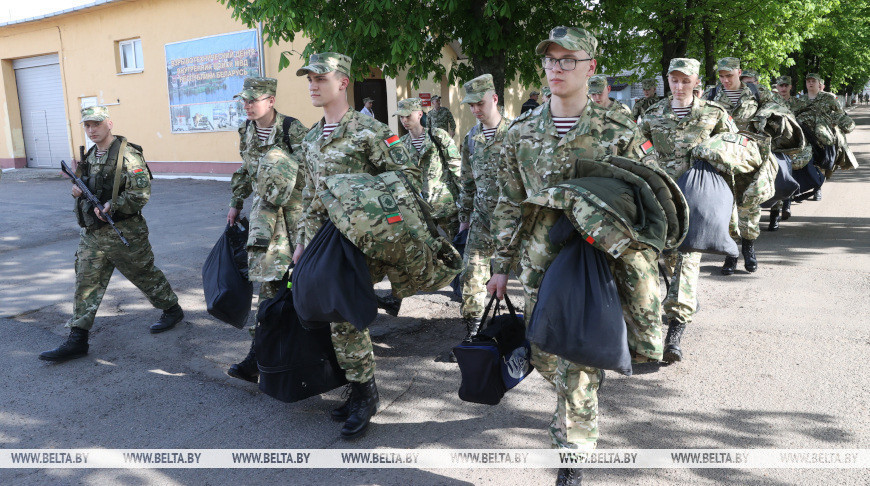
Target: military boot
[[472, 326], [817, 194], [390, 304], [247, 368], [168, 319], [76, 346], [730, 265], [364, 402], [341, 413], [786, 209], [569, 476], [774, 220], [673, 351], [749, 261]]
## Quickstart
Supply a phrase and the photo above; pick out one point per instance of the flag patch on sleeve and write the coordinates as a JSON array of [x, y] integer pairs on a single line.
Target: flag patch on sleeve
[[394, 218], [646, 147], [136, 171], [590, 240], [392, 141]]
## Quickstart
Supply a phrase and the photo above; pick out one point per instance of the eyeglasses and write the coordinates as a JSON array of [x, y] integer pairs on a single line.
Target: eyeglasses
[[566, 64], [251, 102]]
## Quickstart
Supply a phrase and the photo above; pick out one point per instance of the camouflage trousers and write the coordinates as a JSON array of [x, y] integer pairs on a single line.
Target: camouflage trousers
[[100, 252], [684, 270], [475, 268], [745, 222]]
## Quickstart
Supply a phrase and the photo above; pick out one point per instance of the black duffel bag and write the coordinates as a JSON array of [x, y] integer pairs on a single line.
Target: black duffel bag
[[784, 186], [294, 362], [578, 315], [228, 292], [710, 203], [459, 242]]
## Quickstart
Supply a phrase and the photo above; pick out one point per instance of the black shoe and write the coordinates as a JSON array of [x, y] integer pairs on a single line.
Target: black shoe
[[774, 220], [341, 413], [472, 326], [673, 351], [75, 346], [364, 401], [730, 265], [786, 210], [168, 319], [247, 368], [569, 476], [817, 194], [749, 261], [390, 304]]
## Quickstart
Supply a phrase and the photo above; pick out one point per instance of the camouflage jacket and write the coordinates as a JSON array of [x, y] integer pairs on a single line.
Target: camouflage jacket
[[642, 105], [441, 118], [358, 144], [616, 105], [791, 103], [535, 157], [746, 106], [479, 179], [674, 138], [440, 188], [824, 115]]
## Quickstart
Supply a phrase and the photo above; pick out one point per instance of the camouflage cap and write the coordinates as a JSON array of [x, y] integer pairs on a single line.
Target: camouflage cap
[[783, 80], [749, 73], [546, 91], [408, 106], [255, 87], [435, 98], [816, 76], [728, 64], [684, 65], [597, 84], [326, 62], [477, 88], [571, 38], [649, 83], [95, 113]]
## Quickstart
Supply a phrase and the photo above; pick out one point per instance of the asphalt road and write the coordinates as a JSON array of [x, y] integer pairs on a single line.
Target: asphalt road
[[774, 359]]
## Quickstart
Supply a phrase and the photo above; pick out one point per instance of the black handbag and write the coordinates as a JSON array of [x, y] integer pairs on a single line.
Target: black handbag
[[294, 362], [228, 292], [496, 359]]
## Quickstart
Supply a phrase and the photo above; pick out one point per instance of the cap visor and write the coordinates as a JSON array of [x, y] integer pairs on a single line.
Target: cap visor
[[472, 98]]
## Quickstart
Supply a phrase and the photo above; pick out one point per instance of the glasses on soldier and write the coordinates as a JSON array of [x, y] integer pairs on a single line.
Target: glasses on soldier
[[251, 102], [565, 64]]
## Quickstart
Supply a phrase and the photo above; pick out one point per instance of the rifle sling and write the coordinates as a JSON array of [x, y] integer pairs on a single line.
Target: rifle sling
[[116, 186]]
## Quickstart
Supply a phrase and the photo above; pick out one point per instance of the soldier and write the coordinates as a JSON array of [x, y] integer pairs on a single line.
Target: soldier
[[532, 158], [599, 91], [676, 125], [270, 245], [530, 103], [437, 156], [367, 107], [440, 117], [481, 149], [116, 174], [649, 98], [783, 92], [782, 209], [345, 141], [749, 76]]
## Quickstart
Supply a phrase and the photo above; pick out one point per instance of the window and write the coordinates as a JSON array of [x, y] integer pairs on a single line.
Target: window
[[130, 52]]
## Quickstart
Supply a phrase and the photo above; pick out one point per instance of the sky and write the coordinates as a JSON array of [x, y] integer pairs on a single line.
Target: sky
[[16, 10]]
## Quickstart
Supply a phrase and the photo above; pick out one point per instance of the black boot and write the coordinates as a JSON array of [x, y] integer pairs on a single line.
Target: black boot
[[247, 368], [749, 261], [817, 194], [673, 351], [76, 346], [472, 326], [730, 265], [341, 413], [390, 304], [774, 220], [364, 401], [168, 319], [786, 209], [569, 476]]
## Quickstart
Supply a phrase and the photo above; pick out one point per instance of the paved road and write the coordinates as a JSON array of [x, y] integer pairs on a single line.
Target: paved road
[[774, 359]]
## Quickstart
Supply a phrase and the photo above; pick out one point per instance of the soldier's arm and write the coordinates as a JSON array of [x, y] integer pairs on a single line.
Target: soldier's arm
[[451, 122], [309, 222], [466, 184], [454, 158], [386, 157], [137, 185], [506, 217], [240, 182], [296, 132]]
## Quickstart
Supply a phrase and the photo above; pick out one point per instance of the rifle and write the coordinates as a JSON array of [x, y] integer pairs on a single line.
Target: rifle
[[93, 199]]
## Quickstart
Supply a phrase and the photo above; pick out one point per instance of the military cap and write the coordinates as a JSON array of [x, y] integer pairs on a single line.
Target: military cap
[[649, 83], [815, 76], [478, 87], [783, 80], [728, 64], [546, 91], [597, 84], [684, 65], [435, 97], [749, 73], [325, 62], [255, 87], [366, 100], [94, 113], [408, 106], [571, 38], [534, 93]]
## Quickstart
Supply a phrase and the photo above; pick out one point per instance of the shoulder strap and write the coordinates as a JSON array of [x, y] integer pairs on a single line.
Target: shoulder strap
[[119, 163], [752, 87], [285, 125], [470, 139], [713, 93]]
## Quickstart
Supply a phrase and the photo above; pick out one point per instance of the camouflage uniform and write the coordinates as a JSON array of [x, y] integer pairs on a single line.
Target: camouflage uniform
[[441, 118], [643, 104], [674, 139], [532, 159], [100, 250], [477, 200], [358, 144]]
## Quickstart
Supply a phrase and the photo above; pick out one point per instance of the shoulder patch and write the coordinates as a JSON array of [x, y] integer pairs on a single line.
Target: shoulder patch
[[137, 170], [393, 140], [647, 147]]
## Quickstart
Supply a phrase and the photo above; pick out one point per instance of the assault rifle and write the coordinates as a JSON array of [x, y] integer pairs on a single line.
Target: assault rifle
[[93, 199]]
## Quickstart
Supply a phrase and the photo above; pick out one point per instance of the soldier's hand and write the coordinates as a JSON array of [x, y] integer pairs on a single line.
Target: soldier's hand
[[298, 253], [497, 285], [105, 211], [463, 226], [76, 192], [233, 215]]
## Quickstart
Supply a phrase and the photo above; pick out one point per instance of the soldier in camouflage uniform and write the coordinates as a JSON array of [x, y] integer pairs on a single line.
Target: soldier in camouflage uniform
[[116, 174], [599, 91], [481, 150], [532, 159], [270, 245], [674, 137], [440, 117], [440, 175], [345, 142], [782, 209], [650, 98]]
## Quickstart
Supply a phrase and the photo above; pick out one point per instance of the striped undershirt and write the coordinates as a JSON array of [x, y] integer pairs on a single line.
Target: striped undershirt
[[563, 124], [489, 132], [99, 153], [328, 128], [733, 95], [263, 133], [417, 142], [681, 112]]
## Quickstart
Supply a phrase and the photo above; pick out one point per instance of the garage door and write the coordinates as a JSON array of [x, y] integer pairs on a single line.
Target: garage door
[[43, 119]]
